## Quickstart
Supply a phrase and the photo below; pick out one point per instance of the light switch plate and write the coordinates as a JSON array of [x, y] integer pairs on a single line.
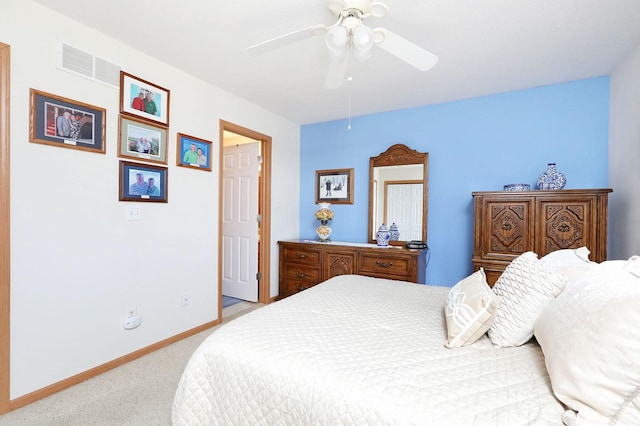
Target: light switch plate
[[133, 213]]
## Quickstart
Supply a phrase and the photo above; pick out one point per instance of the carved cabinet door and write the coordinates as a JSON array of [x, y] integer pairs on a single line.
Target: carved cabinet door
[[508, 226], [339, 263], [565, 224]]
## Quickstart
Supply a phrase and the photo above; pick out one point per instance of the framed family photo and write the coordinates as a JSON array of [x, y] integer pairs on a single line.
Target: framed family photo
[[141, 140], [63, 122], [143, 182], [334, 186], [144, 99], [193, 152]]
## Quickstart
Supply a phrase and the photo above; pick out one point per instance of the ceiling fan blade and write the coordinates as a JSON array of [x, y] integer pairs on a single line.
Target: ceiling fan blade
[[337, 72], [405, 50], [283, 40]]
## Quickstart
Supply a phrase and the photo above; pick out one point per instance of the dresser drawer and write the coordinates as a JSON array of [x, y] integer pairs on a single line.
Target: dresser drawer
[[294, 286], [303, 273], [298, 277], [386, 266], [300, 254]]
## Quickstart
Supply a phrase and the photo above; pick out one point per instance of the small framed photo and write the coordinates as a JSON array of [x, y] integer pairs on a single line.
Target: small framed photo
[[141, 140], [193, 152], [144, 99], [63, 122], [334, 186], [143, 182]]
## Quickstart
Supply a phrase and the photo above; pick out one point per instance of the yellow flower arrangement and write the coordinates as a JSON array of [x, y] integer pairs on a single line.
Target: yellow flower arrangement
[[324, 214]]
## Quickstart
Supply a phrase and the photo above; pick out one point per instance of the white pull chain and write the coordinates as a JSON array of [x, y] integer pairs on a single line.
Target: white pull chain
[[349, 82]]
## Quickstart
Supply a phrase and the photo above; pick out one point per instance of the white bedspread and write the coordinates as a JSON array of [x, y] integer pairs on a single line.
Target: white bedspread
[[359, 350]]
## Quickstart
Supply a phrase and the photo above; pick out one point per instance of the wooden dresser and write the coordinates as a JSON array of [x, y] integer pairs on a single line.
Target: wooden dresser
[[508, 224], [306, 263]]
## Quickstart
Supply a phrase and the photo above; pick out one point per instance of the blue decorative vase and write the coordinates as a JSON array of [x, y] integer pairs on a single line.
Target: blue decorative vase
[[394, 233], [382, 236], [552, 178]]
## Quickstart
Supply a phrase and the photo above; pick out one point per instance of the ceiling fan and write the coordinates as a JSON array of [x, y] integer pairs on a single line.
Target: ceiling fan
[[350, 37]]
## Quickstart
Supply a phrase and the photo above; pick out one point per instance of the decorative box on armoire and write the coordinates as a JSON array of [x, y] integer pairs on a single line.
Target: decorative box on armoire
[[507, 224]]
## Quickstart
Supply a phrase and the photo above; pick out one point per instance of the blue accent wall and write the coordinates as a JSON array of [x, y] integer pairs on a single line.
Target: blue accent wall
[[476, 144]]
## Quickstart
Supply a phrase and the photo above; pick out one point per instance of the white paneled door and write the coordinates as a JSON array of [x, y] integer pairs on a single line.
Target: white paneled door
[[240, 221]]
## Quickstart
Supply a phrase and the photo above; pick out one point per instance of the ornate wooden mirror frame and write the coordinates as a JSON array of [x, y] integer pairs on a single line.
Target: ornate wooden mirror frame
[[409, 168]]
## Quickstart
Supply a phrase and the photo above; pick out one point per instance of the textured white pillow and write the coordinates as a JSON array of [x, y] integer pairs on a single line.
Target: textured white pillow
[[590, 336], [570, 262], [526, 289], [470, 309]]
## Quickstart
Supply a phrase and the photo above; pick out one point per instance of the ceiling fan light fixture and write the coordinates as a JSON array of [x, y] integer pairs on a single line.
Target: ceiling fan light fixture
[[336, 40], [362, 38]]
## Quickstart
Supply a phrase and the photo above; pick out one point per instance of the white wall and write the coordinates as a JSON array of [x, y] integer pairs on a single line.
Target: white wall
[[77, 266], [624, 158]]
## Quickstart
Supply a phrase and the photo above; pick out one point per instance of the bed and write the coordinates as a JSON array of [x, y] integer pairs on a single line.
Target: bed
[[369, 351]]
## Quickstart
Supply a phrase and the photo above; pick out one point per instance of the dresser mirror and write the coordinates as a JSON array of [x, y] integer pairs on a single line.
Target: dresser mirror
[[398, 187]]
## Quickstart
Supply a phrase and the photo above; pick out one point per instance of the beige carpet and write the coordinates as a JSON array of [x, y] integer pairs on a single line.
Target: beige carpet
[[139, 393]]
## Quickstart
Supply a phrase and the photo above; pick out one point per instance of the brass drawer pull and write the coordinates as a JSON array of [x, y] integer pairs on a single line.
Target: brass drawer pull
[[564, 228], [301, 275], [302, 255], [301, 287], [384, 264], [506, 226]]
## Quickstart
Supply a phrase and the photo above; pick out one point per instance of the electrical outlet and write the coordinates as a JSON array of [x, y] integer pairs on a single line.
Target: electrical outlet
[[185, 299], [133, 320]]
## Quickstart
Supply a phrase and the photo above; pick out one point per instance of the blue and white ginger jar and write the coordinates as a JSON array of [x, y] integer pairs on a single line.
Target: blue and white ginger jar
[[394, 233], [382, 236]]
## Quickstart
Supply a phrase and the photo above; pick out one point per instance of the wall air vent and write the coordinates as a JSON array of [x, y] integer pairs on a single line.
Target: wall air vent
[[85, 64], [107, 72]]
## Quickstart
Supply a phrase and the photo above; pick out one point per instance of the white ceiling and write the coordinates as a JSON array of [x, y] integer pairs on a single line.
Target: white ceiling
[[484, 47]]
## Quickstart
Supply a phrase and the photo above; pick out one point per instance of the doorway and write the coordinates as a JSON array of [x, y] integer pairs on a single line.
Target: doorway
[[236, 134]]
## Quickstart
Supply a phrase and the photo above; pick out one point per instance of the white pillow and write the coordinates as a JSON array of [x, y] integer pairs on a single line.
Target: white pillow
[[470, 309], [566, 256], [570, 262], [526, 289], [632, 265], [590, 336]]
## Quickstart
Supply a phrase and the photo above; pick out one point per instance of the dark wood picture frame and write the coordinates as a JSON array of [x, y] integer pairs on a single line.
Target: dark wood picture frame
[[193, 152], [152, 106], [58, 121], [151, 187], [334, 186]]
